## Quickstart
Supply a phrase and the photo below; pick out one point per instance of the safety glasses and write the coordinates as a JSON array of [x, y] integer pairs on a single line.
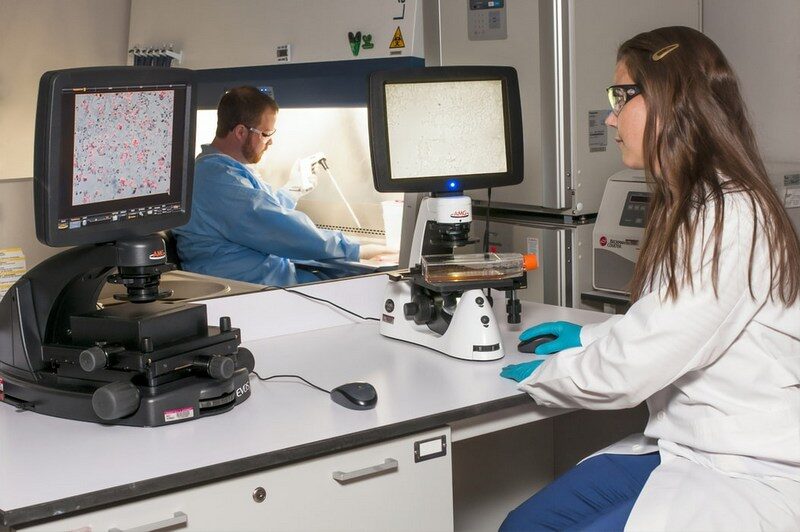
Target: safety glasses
[[619, 95], [264, 134]]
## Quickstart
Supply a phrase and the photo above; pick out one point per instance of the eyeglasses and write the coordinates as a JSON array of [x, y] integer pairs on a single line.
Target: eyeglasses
[[264, 134], [619, 95]]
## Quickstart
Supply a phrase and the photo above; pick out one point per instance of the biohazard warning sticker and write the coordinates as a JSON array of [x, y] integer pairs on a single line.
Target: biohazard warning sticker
[[397, 40]]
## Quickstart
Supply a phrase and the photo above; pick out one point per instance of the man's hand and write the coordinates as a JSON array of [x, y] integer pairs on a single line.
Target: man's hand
[[303, 177], [377, 252]]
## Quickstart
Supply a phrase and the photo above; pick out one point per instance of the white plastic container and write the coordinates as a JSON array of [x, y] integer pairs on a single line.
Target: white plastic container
[[392, 222]]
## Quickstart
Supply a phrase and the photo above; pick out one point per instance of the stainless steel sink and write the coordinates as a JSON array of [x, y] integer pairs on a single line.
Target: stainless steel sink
[[188, 286]]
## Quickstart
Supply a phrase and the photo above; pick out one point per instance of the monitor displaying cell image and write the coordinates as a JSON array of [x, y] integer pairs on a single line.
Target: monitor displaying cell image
[[122, 145], [442, 128], [114, 155], [445, 129]]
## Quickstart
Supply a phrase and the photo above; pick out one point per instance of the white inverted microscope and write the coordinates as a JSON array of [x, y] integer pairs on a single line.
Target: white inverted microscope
[[443, 130]]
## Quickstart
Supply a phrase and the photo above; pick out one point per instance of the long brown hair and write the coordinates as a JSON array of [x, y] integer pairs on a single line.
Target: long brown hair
[[697, 129]]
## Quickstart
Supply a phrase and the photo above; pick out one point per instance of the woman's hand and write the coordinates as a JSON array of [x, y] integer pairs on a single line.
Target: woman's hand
[[520, 372], [568, 335]]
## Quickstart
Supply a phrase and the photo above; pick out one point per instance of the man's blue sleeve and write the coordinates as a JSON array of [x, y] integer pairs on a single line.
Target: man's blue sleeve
[[257, 219]]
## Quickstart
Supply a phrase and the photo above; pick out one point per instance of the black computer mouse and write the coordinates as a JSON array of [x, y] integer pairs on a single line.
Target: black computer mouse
[[355, 395], [529, 345]]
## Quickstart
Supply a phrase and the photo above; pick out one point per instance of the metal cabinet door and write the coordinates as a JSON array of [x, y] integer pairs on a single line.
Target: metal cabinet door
[[380, 487]]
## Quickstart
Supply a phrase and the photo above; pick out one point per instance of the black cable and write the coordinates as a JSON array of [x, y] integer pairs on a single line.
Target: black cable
[[328, 302], [290, 376], [488, 215], [323, 301], [486, 234]]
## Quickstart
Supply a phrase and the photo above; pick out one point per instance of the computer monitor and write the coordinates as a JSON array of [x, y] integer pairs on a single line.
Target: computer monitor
[[445, 129], [113, 153]]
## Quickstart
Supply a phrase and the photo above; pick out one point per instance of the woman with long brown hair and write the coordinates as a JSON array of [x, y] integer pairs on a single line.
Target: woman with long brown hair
[[712, 340]]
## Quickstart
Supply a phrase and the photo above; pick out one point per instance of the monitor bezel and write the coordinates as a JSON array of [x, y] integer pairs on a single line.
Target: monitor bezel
[[49, 180], [379, 139]]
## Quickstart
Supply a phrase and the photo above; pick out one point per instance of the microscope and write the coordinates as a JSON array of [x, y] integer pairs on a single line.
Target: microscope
[[113, 165], [443, 130]]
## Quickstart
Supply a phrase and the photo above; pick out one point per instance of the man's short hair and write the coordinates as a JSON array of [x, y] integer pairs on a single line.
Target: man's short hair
[[242, 105]]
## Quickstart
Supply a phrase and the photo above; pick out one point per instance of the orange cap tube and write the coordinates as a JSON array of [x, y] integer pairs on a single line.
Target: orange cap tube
[[530, 262]]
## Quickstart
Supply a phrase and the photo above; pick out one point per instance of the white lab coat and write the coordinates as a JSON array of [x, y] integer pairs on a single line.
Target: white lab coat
[[721, 377]]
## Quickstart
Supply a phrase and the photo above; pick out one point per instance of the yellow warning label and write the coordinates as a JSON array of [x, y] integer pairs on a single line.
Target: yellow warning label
[[397, 40]]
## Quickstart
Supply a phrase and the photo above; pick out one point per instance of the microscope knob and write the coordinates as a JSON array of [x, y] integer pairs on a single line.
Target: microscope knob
[[421, 308], [115, 400], [221, 368], [409, 309], [146, 345], [93, 358], [514, 310], [245, 359]]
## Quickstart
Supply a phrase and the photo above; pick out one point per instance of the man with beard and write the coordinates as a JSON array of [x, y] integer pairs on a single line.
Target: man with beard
[[240, 227]]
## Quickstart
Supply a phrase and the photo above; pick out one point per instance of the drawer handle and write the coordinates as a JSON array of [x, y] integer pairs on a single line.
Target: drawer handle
[[390, 464], [178, 518]]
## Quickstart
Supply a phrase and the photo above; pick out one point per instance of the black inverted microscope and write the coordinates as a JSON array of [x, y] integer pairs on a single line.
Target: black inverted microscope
[[113, 164]]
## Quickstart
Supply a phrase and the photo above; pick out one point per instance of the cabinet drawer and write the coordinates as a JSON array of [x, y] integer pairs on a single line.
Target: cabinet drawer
[[379, 487]]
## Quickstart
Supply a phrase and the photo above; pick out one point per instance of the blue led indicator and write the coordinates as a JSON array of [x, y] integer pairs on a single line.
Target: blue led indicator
[[451, 184]]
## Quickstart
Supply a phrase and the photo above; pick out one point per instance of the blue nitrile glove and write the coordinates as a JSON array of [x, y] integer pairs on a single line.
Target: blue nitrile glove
[[569, 335], [520, 372]]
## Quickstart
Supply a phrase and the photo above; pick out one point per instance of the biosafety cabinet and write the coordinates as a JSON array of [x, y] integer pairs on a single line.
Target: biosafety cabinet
[[316, 54], [313, 57]]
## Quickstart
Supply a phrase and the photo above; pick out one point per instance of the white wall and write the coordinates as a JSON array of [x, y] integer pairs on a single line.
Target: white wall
[[762, 42], [17, 227], [36, 36], [237, 33], [41, 35]]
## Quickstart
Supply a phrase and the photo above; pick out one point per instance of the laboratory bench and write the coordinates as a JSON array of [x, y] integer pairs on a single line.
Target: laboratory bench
[[288, 457]]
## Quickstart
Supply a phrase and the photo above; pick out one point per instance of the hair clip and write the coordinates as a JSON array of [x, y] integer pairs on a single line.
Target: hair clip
[[661, 54]]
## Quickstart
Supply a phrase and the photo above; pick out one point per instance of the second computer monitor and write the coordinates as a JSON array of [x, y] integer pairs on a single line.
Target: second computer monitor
[[445, 129]]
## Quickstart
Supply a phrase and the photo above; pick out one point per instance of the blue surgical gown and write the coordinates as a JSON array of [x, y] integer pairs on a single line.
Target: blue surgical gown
[[241, 229]]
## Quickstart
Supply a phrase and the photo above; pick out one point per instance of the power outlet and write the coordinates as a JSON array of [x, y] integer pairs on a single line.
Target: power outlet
[[284, 53]]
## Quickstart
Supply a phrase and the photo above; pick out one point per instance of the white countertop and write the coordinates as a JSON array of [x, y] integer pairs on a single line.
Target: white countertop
[[44, 459]]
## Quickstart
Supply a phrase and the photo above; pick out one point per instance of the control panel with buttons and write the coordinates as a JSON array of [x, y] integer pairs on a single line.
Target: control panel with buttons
[[486, 20], [634, 214]]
